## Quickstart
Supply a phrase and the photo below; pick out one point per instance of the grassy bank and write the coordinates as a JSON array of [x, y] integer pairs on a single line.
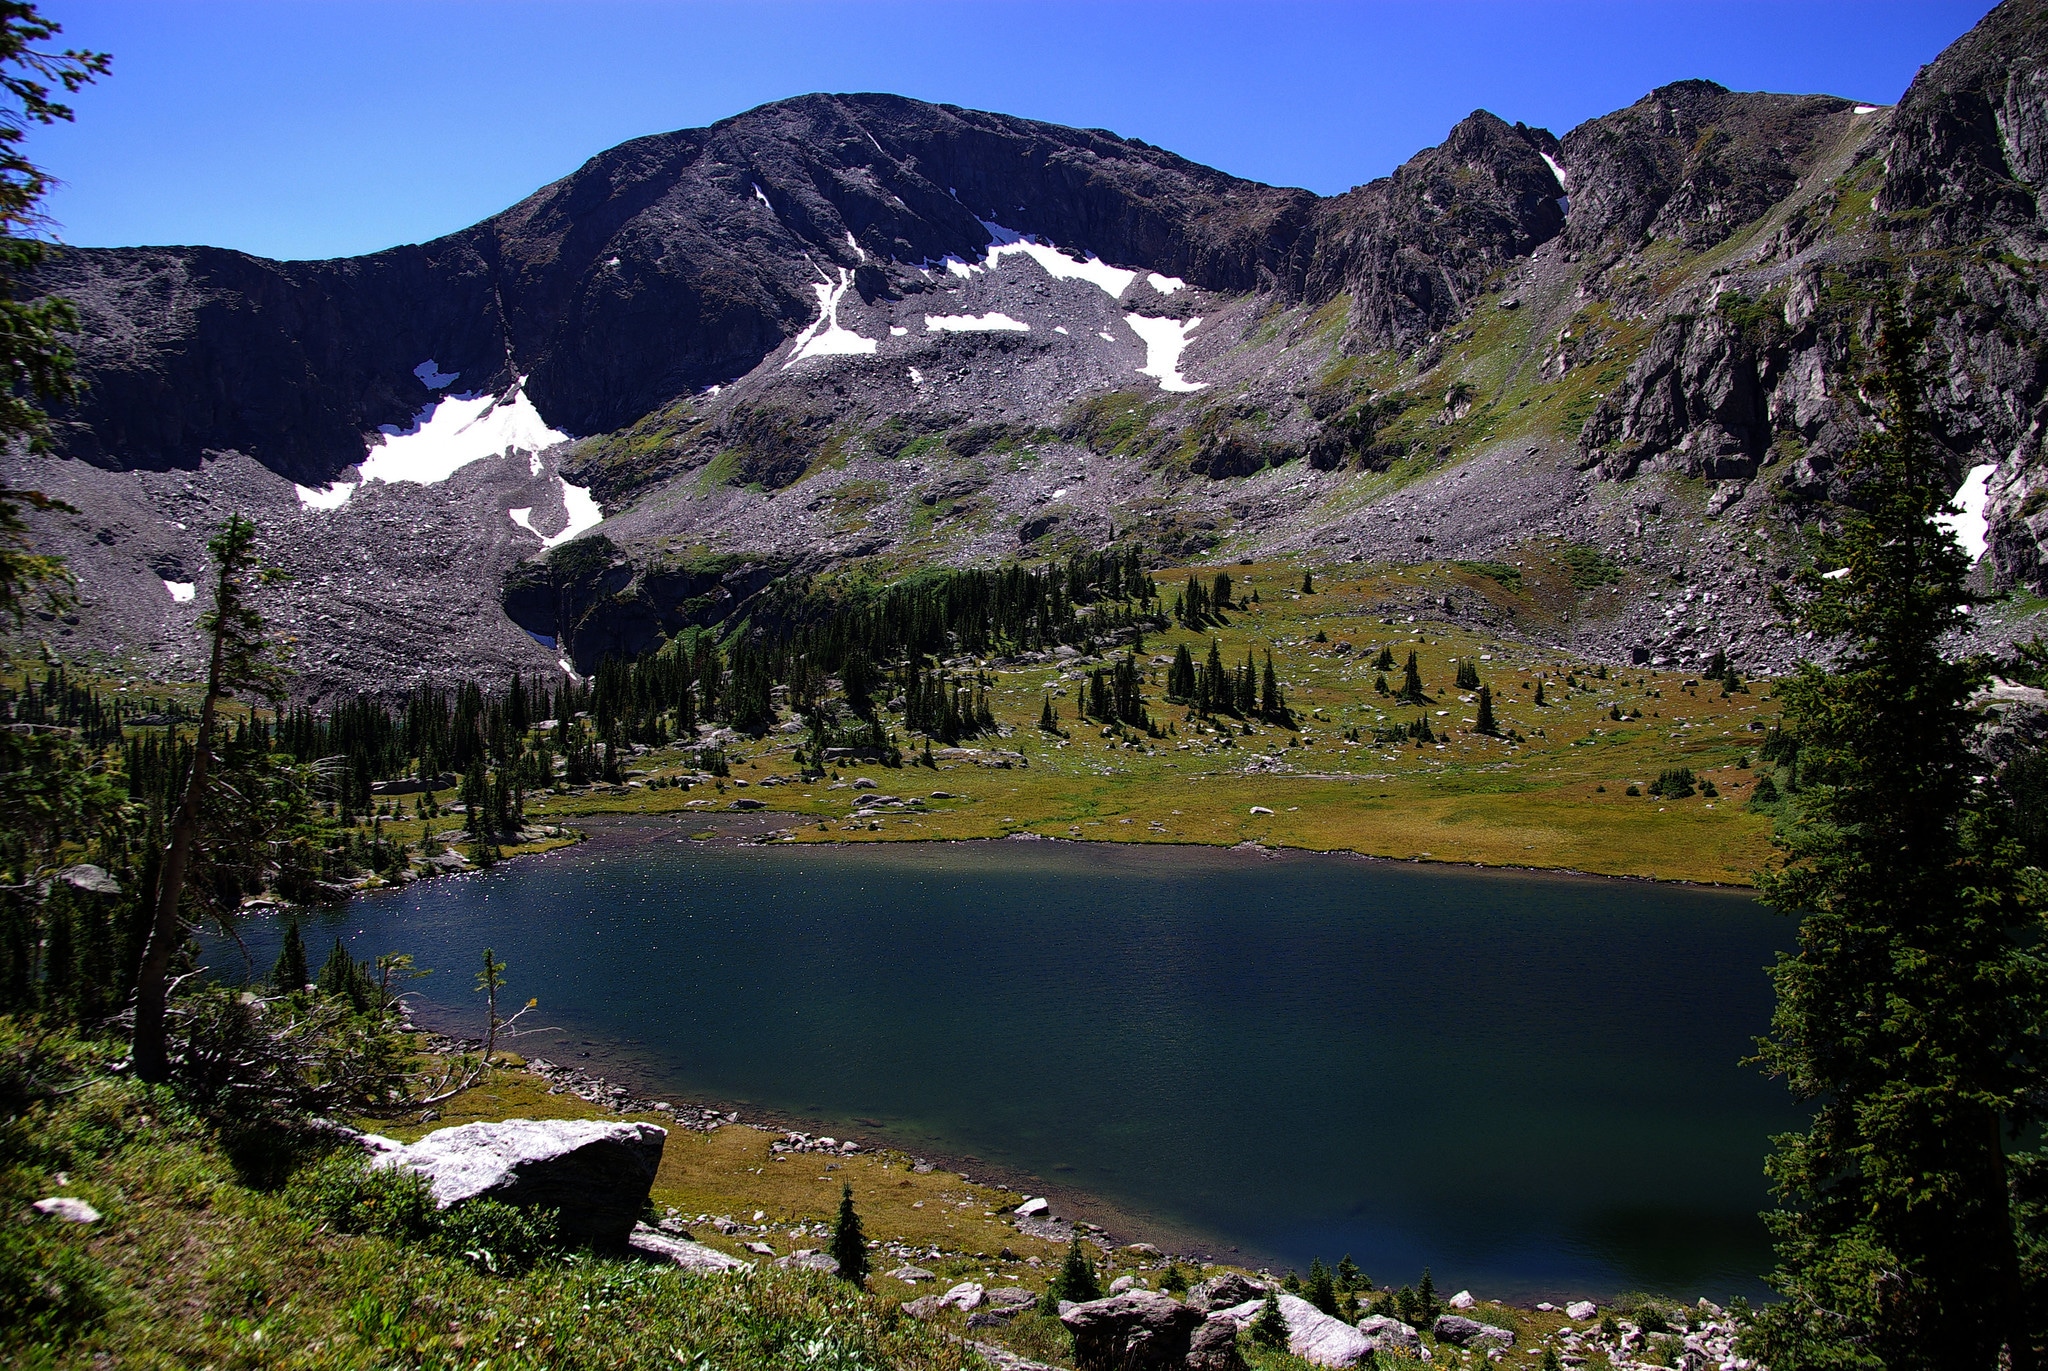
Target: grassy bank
[[220, 1246]]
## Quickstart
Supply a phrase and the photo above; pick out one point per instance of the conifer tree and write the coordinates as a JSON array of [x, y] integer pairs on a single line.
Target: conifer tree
[[1308, 584], [1271, 704], [1269, 1329], [1486, 723], [1913, 1016], [1046, 722], [290, 974], [1385, 661], [1349, 1277], [1411, 691], [849, 1242], [1180, 677], [1320, 1289], [238, 661], [338, 973], [1540, 701], [1076, 1280]]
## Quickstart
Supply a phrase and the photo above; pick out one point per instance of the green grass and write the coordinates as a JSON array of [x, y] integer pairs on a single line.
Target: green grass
[[1557, 799]]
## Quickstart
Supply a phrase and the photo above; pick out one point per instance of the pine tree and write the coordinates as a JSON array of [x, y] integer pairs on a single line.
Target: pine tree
[[1046, 722], [1180, 677], [1349, 1277], [1912, 1015], [1486, 723], [1385, 661], [1320, 1290], [1540, 701], [1426, 1304], [291, 975], [1076, 1280], [1411, 691], [1308, 584], [1468, 676], [338, 974], [1269, 1329], [849, 1243], [1271, 703]]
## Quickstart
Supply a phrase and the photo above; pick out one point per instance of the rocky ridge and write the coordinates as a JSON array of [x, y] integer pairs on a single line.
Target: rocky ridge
[[864, 333]]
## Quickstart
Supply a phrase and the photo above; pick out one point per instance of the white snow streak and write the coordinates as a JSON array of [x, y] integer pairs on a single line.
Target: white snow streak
[[455, 431], [333, 497], [1061, 328], [959, 268], [761, 197], [897, 330], [854, 243], [1864, 109], [1165, 285], [824, 338], [1164, 340], [584, 515], [992, 322], [916, 377], [433, 378], [181, 591], [1555, 169], [1970, 527]]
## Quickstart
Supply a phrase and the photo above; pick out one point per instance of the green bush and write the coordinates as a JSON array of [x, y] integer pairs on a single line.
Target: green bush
[[499, 1238], [1675, 783], [343, 1193]]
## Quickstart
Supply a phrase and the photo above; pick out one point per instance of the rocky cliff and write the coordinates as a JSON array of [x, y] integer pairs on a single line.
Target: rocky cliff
[[860, 331]]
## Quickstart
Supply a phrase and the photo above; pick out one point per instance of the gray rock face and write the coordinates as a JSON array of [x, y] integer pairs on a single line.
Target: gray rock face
[[1224, 1292], [1140, 1330], [1459, 1331], [1213, 1347], [596, 1174]]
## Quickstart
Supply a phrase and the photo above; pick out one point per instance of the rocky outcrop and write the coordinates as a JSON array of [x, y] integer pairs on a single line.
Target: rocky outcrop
[[1312, 1335], [690, 1255], [1413, 249], [1459, 1331], [1140, 1330], [1226, 1291], [593, 603], [1693, 399], [596, 1175]]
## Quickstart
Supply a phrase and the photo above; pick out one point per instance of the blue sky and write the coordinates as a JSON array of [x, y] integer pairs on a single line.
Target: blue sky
[[293, 128]]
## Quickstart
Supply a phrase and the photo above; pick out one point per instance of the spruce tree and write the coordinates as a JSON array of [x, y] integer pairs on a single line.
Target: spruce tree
[[1913, 1016], [338, 973], [1486, 723], [849, 1243], [1076, 1280], [290, 975], [1411, 691], [1385, 662], [1540, 701], [1269, 1329], [1308, 584], [1046, 722], [1321, 1289], [1349, 1277]]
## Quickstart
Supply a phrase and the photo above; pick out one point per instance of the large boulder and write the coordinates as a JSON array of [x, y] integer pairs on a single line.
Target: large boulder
[[1224, 1291], [1459, 1331], [1390, 1335], [1319, 1338], [1214, 1346], [596, 1174], [1140, 1330]]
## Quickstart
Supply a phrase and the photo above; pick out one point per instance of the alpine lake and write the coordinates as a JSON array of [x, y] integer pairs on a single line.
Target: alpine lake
[[1530, 1083]]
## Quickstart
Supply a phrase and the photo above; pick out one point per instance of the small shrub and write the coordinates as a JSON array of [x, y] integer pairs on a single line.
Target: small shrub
[[342, 1192], [499, 1238], [1674, 783], [1633, 789], [1269, 1329]]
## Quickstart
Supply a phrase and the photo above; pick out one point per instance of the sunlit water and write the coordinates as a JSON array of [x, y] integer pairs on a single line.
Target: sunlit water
[[1529, 1083]]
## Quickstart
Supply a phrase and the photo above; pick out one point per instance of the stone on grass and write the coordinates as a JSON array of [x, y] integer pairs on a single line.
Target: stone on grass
[[911, 1275], [1032, 1208], [691, 1256], [68, 1209], [1139, 1330], [1581, 1310], [1463, 1332], [923, 1307], [1463, 1300], [964, 1296], [1122, 1283], [1390, 1335], [596, 1175], [1012, 1297], [811, 1261]]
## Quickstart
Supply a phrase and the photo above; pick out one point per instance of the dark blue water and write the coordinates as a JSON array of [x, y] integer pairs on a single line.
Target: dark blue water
[[1528, 1083]]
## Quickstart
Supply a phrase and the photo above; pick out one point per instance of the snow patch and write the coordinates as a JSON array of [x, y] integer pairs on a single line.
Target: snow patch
[[959, 268], [758, 195], [611, 261], [897, 330], [455, 431], [181, 591], [333, 497], [1164, 341], [916, 377], [1104, 336], [854, 243], [1969, 527], [1864, 109], [993, 322], [1555, 169], [1060, 328], [584, 515], [1837, 574], [433, 378], [825, 338], [1114, 281], [1165, 285]]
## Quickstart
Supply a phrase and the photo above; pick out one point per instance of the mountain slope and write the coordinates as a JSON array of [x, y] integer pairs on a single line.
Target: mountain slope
[[859, 331]]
